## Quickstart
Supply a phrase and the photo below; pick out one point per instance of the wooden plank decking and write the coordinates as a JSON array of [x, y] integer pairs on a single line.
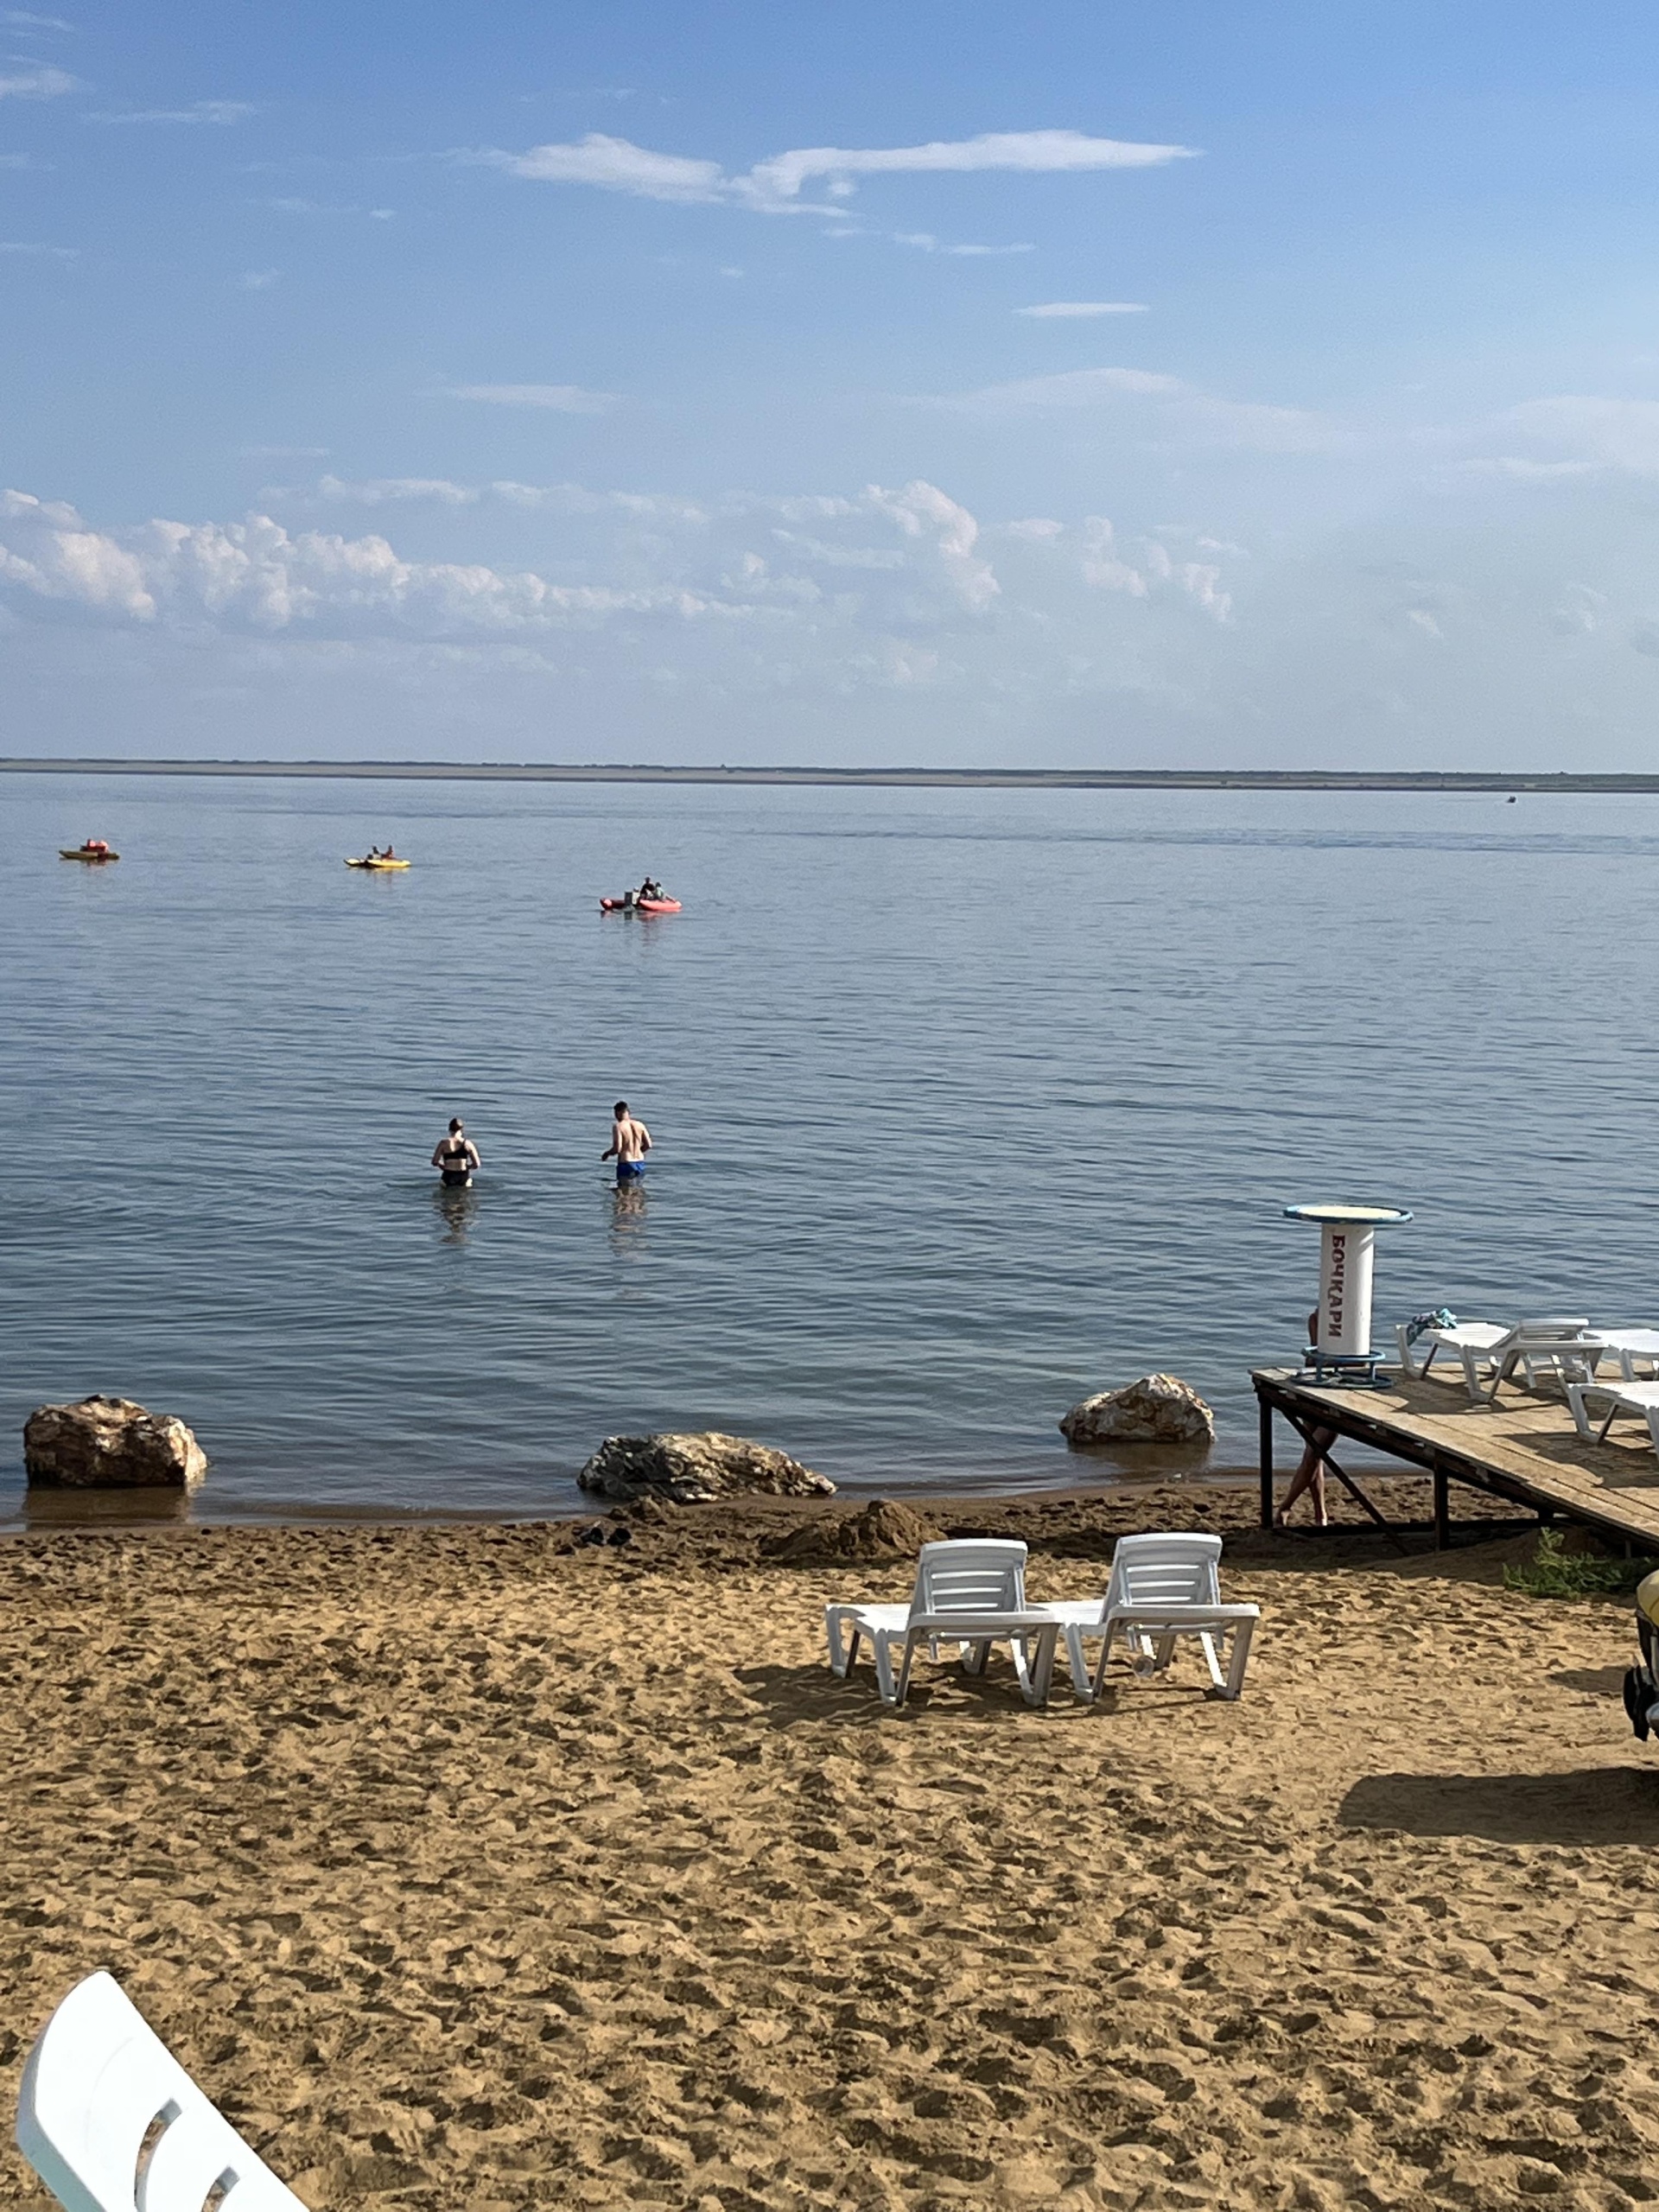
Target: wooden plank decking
[[1525, 1448]]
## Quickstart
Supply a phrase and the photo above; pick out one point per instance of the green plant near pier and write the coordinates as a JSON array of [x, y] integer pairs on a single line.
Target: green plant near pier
[[1553, 1572]]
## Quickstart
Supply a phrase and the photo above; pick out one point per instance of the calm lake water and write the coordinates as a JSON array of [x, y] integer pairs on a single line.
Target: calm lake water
[[966, 1103]]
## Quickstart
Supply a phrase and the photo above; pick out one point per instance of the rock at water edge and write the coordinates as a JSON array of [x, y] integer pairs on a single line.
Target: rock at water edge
[[1156, 1409], [696, 1469], [111, 1444]]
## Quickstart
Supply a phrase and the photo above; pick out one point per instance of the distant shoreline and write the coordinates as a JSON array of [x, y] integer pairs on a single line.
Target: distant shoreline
[[1194, 779]]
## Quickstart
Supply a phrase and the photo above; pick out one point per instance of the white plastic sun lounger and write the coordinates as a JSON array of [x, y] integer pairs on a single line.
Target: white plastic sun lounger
[[1628, 1346], [1161, 1587], [1469, 1340], [969, 1593], [111, 2122], [1641, 1398], [1566, 1348]]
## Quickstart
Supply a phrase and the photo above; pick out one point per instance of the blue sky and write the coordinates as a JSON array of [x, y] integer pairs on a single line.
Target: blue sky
[[1237, 384]]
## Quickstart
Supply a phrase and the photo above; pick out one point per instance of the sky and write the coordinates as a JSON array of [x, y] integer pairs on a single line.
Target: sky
[[1222, 384]]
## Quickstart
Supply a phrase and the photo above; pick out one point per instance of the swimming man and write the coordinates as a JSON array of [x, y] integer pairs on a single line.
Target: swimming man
[[456, 1155], [630, 1142]]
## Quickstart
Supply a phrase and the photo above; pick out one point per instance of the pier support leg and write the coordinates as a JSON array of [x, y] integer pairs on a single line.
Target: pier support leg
[[1442, 1511], [1265, 1412]]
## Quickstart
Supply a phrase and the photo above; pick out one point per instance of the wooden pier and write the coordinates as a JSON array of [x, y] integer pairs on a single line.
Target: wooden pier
[[1524, 1448]]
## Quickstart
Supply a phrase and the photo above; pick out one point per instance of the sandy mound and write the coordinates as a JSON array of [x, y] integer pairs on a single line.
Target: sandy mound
[[883, 1530]]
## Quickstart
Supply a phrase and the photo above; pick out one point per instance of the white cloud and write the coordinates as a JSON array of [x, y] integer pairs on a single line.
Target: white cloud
[[1587, 433], [902, 562], [290, 204], [254, 576], [1166, 409], [1142, 569], [283, 453], [65, 561], [46, 253], [20, 20], [442, 491], [1076, 310], [1101, 567], [559, 398], [894, 622], [257, 280], [1048, 151], [873, 621], [775, 185], [617, 165], [378, 489], [42, 84], [1519, 469], [929, 243], [922, 511], [1070, 388], [219, 112]]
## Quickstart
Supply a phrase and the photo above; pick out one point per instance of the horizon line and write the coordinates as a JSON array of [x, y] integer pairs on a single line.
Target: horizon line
[[1378, 779]]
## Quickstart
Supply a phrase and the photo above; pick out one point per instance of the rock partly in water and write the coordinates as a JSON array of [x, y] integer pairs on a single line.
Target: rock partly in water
[[1156, 1409], [880, 1531], [111, 1444], [697, 1470]]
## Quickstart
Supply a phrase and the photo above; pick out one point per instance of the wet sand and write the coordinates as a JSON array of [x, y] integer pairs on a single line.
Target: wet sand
[[480, 1867]]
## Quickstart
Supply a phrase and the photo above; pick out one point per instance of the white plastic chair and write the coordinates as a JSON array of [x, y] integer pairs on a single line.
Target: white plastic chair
[[111, 2122], [969, 1592], [1161, 1587]]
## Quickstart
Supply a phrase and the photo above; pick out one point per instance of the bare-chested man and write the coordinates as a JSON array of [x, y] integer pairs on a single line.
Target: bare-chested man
[[630, 1142]]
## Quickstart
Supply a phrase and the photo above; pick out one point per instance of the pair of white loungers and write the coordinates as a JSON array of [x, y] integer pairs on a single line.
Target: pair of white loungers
[[971, 1593], [1569, 1350]]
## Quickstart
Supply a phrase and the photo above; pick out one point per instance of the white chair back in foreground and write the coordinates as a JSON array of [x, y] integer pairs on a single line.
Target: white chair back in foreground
[[111, 2122], [969, 1574], [1161, 1587], [970, 1591]]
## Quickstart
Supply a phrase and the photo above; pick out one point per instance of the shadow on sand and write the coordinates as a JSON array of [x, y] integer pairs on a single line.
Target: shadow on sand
[[789, 1694], [1600, 1681], [1592, 1805]]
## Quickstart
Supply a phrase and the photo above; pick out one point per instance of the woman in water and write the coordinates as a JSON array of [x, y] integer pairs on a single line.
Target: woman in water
[[456, 1156]]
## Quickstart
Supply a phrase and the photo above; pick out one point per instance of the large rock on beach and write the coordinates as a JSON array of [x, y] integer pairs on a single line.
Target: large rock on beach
[[1156, 1409], [697, 1470], [111, 1444], [883, 1530]]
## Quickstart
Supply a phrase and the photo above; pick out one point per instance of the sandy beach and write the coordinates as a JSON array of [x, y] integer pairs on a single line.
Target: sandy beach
[[475, 1867]]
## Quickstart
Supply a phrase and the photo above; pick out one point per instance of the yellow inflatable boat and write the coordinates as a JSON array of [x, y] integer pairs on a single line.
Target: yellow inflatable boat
[[379, 865]]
